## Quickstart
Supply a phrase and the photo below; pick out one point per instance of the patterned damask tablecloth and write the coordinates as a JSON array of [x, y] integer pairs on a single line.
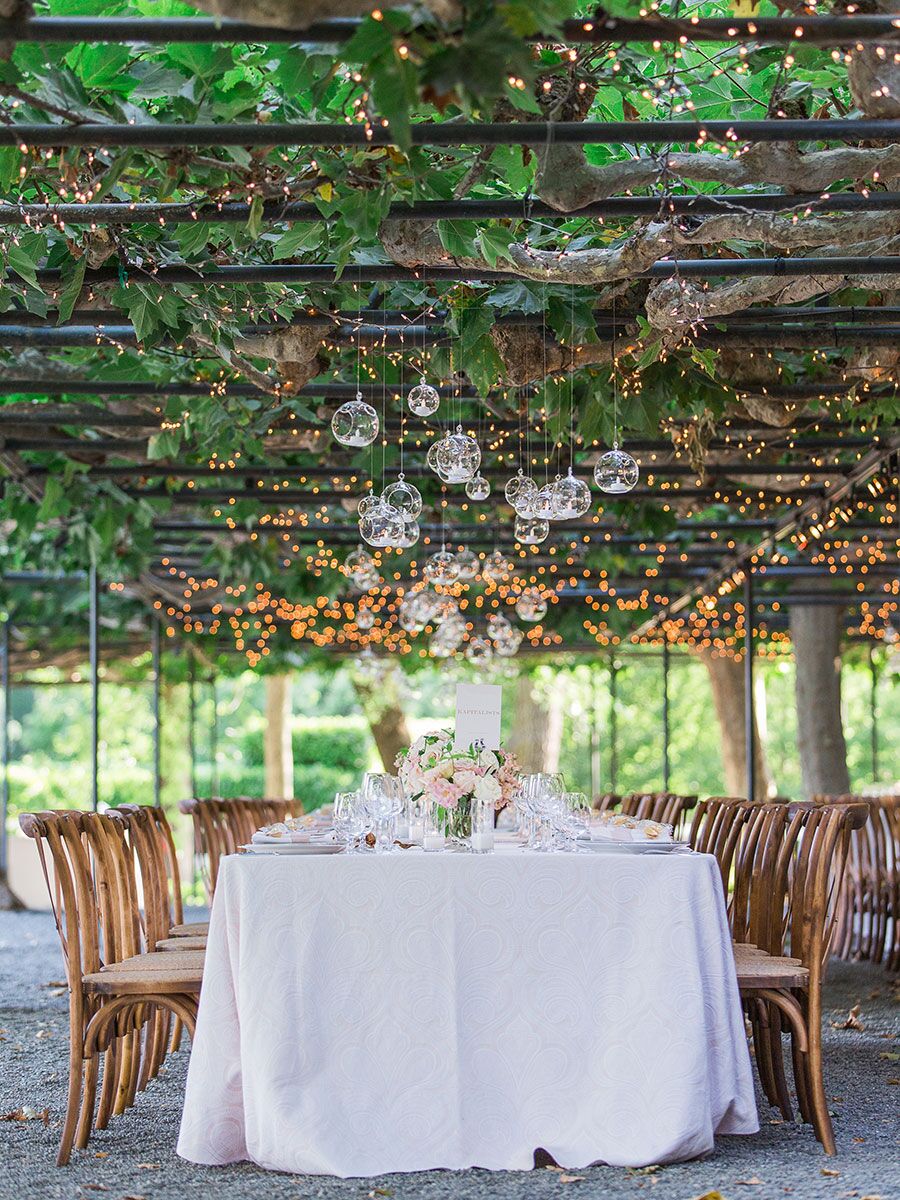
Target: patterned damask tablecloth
[[365, 1014]]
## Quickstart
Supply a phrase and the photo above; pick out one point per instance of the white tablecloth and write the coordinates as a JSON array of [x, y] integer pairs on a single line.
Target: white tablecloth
[[364, 1014]]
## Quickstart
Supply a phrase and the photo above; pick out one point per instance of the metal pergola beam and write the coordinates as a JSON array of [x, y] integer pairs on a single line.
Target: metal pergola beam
[[449, 133], [304, 274], [788, 336], [235, 211], [344, 391], [837, 30]]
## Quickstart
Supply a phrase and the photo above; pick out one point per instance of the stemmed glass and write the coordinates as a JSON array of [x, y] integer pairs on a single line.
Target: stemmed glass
[[351, 818], [384, 800]]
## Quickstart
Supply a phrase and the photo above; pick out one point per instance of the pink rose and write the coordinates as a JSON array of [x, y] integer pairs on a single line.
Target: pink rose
[[444, 792]]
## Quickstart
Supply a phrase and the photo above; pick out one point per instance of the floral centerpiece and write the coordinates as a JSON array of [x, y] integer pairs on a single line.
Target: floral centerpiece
[[452, 781]]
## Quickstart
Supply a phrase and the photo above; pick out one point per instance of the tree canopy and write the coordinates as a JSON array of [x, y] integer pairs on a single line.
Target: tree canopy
[[185, 306]]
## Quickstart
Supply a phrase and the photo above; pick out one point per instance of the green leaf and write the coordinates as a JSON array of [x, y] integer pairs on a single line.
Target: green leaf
[[494, 241], [305, 235], [54, 503], [394, 92], [458, 237], [254, 221], [19, 260], [73, 280]]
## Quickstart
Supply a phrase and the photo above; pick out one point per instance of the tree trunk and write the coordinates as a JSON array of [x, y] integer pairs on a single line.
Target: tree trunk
[[380, 701], [816, 637], [278, 751], [726, 677], [9, 901], [536, 735]]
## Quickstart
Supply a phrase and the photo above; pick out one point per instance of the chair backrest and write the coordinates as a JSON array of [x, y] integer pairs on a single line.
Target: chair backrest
[[222, 824], [94, 897], [153, 856]]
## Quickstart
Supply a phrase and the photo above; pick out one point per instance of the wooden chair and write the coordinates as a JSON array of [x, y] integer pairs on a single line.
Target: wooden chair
[[789, 874], [222, 825], [115, 989], [869, 922]]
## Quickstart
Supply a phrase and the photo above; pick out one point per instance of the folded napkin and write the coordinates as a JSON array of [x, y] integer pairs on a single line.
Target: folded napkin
[[290, 831], [617, 827]]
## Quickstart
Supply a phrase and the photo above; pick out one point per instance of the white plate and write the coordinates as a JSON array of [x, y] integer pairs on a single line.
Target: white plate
[[293, 848], [611, 847]]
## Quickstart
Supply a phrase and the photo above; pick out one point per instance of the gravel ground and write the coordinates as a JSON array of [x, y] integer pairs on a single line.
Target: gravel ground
[[135, 1158]]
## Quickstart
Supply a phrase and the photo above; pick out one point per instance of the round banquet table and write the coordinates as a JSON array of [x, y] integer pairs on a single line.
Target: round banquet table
[[363, 1014]]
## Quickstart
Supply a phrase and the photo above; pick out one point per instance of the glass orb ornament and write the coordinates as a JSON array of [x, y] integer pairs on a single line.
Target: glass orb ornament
[[423, 400], [410, 534], [458, 456], [616, 472], [496, 567], [431, 456], [478, 488], [507, 646], [531, 531], [382, 525], [445, 611], [367, 502], [531, 606], [415, 611], [441, 567], [365, 618], [467, 561], [358, 560], [498, 627], [479, 650], [571, 497], [518, 488], [404, 496], [355, 423]]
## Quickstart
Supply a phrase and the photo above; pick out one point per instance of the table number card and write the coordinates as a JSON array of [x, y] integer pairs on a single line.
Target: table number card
[[478, 708]]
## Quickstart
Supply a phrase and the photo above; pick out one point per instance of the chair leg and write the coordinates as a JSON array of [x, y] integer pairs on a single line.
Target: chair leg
[[175, 1043], [821, 1118], [760, 1023], [108, 1086], [73, 1099], [776, 1057], [86, 1116]]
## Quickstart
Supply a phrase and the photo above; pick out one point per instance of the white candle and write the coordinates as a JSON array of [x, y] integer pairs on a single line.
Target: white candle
[[416, 831], [403, 829], [482, 840], [433, 841]]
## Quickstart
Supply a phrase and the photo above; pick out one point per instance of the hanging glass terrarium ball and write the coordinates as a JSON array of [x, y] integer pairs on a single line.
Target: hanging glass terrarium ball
[[365, 618], [382, 525], [507, 646], [415, 610], [410, 534], [479, 649], [531, 531], [616, 471], [478, 488], [571, 497], [366, 579], [496, 567], [518, 488], [367, 502], [441, 567], [355, 423], [458, 456], [467, 561], [498, 627], [404, 496], [531, 606], [358, 560], [431, 456], [446, 612], [423, 400]]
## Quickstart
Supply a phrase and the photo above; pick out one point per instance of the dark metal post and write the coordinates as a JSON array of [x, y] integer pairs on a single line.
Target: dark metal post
[[613, 727], [873, 714], [192, 719], [665, 715], [4, 746], [214, 740], [94, 653], [156, 652], [749, 705]]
